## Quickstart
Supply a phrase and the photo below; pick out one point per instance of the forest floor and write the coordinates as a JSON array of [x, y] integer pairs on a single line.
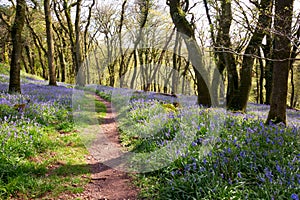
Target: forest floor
[[106, 183]]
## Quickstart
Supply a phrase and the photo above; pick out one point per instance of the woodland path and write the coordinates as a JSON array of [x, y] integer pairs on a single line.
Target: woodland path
[[106, 183]]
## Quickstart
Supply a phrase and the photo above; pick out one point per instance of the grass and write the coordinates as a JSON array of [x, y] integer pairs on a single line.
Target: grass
[[220, 155], [42, 154], [183, 153], [32, 166], [25, 77]]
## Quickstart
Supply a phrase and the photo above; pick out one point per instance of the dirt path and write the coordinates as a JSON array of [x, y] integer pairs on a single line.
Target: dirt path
[[106, 182]]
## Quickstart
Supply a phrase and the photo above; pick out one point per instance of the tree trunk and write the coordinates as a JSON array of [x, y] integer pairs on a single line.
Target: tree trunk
[[25, 65], [282, 47], [51, 66], [187, 31], [240, 99], [109, 61], [123, 68], [70, 31], [294, 54], [97, 66], [87, 42], [223, 30], [261, 79], [184, 76], [225, 59], [144, 7], [268, 51], [16, 36], [30, 61], [44, 70], [87, 66], [134, 75], [62, 63], [293, 87], [175, 70], [80, 71], [157, 64]]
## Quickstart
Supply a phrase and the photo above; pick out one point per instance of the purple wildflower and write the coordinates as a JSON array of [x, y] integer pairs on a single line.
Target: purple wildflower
[[295, 196], [278, 168], [239, 174], [268, 174], [229, 150]]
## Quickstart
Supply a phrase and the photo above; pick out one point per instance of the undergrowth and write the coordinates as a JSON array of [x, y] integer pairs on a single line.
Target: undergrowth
[[41, 152], [220, 156]]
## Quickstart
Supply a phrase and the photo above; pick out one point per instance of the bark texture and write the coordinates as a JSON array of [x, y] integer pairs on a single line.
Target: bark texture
[[49, 32], [282, 46], [16, 35]]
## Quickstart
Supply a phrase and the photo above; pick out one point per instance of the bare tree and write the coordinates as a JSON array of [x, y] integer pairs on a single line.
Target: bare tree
[[106, 21]]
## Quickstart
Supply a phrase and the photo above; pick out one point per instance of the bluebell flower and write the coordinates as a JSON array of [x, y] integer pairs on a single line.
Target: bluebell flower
[[239, 174], [248, 140], [209, 154], [261, 124], [187, 168], [232, 124], [278, 168], [229, 150], [194, 166], [236, 158], [225, 160], [200, 140], [268, 174], [298, 177], [215, 166], [249, 130], [294, 197], [243, 154], [202, 169], [262, 179], [291, 166], [222, 175]]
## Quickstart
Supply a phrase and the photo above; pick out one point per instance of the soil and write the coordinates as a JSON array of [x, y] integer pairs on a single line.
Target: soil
[[106, 183]]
